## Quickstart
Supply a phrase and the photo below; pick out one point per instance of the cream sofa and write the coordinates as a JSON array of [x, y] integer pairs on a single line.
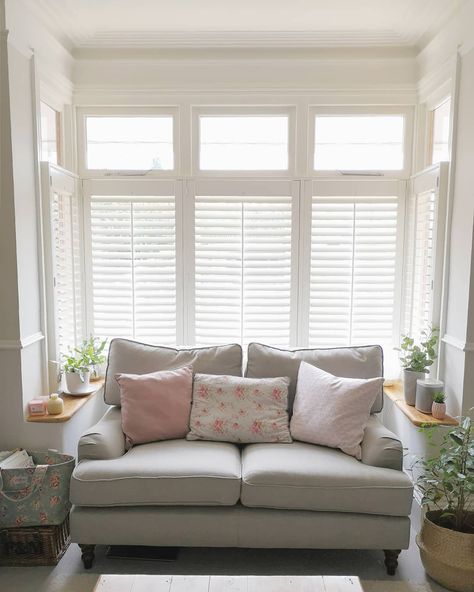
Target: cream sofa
[[214, 494]]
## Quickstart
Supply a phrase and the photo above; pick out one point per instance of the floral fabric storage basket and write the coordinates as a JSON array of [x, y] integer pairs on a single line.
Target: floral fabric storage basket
[[36, 496]]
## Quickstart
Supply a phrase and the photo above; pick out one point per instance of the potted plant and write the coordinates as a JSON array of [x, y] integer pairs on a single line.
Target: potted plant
[[416, 360], [77, 374], [92, 353], [446, 485], [438, 408]]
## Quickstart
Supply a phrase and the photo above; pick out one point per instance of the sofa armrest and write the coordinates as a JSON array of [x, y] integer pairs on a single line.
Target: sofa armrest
[[105, 439], [381, 447]]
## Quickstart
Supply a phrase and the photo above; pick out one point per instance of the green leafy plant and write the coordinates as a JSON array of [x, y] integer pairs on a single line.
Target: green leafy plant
[[418, 358], [439, 397], [75, 363], [91, 351], [446, 482]]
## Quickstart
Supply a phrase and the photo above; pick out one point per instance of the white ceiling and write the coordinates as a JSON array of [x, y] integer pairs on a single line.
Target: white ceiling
[[243, 23]]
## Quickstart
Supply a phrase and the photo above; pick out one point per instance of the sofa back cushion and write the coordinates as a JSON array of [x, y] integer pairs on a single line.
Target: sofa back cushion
[[264, 361], [132, 357]]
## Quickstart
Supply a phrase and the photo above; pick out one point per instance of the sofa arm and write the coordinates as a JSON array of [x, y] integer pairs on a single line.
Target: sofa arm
[[105, 439], [381, 447]]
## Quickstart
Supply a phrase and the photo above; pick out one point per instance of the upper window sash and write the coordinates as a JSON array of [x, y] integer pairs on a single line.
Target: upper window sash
[[288, 112], [352, 111], [140, 112]]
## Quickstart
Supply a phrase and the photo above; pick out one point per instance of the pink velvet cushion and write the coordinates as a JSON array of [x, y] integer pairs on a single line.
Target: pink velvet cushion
[[156, 406], [332, 411]]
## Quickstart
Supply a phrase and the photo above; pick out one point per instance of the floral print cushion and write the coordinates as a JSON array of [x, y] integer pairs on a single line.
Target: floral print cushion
[[235, 409]]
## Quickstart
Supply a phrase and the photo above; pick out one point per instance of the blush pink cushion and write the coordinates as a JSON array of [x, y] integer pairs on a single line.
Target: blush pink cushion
[[332, 411], [156, 406]]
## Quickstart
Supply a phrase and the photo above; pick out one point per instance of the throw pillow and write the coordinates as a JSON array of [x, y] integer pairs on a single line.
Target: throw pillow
[[332, 411], [156, 406], [234, 409]]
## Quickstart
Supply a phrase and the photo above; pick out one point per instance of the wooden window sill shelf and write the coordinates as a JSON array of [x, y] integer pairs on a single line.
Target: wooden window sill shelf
[[72, 404], [417, 418]]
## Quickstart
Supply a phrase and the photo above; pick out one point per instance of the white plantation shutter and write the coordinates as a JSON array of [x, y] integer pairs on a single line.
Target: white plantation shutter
[[133, 254], [419, 263], [243, 254], [353, 270], [67, 276]]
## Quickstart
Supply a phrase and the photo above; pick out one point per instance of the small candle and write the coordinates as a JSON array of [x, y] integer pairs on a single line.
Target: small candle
[[37, 407]]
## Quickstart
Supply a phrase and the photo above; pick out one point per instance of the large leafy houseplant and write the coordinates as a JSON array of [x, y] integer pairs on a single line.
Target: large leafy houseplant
[[446, 481], [416, 360], [419, 358], [446, 485]]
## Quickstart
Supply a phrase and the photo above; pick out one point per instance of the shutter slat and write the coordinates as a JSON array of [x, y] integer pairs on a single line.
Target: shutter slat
[[134, 268], [242, 269], [352, 271]]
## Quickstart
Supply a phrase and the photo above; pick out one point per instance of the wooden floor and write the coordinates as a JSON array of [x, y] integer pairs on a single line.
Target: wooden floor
[[147, 583]]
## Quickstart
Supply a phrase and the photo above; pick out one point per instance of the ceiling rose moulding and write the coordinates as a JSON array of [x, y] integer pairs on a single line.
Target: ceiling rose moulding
[[252, 39]]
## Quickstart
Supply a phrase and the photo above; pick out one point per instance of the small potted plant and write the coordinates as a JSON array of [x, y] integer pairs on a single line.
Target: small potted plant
[[92, 353], [77, 374], [446, 485], [438, 408], [416, 360]]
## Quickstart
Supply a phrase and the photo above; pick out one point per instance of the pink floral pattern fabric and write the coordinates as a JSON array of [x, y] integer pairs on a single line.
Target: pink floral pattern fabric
[[235, 409]]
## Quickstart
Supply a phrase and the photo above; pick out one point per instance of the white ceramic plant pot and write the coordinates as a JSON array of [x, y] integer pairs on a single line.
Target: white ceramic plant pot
[[409, 385], [438, 410], [78, 383]]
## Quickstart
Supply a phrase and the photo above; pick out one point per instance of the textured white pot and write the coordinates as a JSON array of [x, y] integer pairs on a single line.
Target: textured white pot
[[409, 385], [438, 410], [78, 384]]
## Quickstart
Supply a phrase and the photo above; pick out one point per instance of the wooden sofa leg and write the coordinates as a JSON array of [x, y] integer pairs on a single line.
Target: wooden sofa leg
[[87, 555], [391, 560]]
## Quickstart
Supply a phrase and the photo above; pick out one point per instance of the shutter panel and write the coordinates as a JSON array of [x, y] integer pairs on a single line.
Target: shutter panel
[[134, 268], [242, 269], [419, 263], [353, 264], [67, 271]]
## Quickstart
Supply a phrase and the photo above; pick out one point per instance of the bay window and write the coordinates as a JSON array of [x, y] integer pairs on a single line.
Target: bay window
[[223, 225]]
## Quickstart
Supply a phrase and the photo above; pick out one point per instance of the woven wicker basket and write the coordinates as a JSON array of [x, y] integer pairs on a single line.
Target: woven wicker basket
[[34, 545], [447, 555]]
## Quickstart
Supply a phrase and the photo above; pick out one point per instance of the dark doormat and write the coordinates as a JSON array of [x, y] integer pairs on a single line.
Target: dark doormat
[[145, 553]]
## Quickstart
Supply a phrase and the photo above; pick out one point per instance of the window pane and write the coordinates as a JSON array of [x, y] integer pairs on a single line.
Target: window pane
[[353, 262], [134, 268], [130, 143], [440, 133], [359, 142], [49, 133], [243, 143], [243, 270]]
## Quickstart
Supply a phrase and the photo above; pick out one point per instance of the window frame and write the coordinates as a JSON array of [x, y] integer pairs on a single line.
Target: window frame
[[241, 187], [55, 179], [84, 112], [348, 188], [284, 110], [127, 188], [406, 112], [433, 178]]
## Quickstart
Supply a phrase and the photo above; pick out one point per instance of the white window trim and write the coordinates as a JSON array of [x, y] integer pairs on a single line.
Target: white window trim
[[84, 112], [285, 110], [406, 112], [127, 188]]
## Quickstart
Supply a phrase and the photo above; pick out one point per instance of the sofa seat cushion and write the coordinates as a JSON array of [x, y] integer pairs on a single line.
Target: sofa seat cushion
[[302, 476], [174, 472]]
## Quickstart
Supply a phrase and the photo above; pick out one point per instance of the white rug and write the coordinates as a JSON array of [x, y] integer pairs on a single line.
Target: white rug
[[86, 583]]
